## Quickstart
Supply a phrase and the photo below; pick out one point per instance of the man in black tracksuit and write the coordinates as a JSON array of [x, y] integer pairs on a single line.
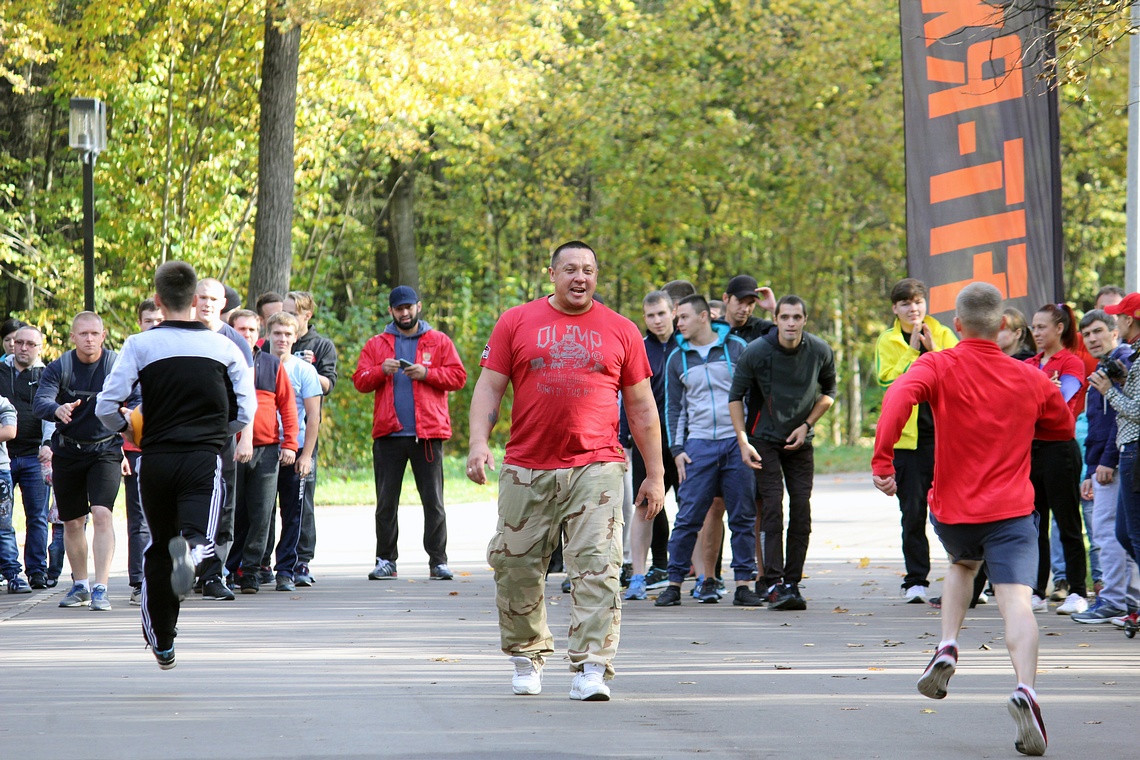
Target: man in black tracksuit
[[789, 378], [197, 391]]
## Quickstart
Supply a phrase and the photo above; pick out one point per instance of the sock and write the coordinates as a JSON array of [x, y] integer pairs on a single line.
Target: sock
[[949, 643], [85, 583], [1029, 689], [593, 667]]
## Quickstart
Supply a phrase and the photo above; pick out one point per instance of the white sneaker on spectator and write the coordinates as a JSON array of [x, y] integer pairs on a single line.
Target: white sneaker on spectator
[[915, 594], [1075, 603], [1039, 604], [528, 676]]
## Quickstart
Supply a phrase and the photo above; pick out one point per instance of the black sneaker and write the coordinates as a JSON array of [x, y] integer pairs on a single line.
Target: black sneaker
[[215, 588], [937, 674], [285, 583], [746, 597], [566, 585], [37, 580], [656, 578], [706, 592], [441, 572], [670, 596], [165, 658], [248, 583], [626, 574], [788, 599]]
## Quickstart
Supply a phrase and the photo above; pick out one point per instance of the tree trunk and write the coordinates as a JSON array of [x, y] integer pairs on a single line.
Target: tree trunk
[[405, 268], [273, 229]]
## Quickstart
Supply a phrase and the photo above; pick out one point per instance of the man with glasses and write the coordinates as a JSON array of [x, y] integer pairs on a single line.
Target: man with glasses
[[28, 451]]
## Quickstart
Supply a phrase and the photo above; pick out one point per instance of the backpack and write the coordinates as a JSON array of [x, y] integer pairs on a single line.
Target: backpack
[[66, 372]]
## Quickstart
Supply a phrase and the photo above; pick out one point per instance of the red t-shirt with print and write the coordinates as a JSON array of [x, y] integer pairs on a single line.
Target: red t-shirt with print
[[566, 371]]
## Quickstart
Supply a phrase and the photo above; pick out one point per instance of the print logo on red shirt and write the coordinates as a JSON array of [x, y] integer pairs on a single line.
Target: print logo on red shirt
[[570, 354]]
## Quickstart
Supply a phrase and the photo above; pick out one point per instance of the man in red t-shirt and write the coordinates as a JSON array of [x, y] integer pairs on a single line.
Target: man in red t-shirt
[[566, 356], [981, 504]]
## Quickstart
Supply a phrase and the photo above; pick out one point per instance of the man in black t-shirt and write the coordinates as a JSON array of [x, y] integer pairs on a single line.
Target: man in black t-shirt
[[87, 458]]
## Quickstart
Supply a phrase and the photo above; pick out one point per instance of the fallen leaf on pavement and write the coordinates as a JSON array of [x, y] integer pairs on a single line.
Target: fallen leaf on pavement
[[840, 609], [864, 561]]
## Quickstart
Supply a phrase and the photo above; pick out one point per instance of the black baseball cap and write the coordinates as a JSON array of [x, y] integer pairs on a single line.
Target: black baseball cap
[[233, 299], [402, 295], [742, 286]]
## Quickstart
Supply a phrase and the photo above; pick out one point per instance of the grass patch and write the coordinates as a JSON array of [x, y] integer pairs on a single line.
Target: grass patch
[[831, 459], [351, 487]]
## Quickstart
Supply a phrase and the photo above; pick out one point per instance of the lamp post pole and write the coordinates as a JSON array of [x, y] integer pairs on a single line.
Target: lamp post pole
[[88, 159], [87, 134]]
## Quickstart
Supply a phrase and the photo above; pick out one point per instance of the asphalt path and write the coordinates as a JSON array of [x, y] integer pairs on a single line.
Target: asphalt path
[[411, 668]]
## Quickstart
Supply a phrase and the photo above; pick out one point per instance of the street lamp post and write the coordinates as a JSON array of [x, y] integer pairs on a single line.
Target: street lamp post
[[88, 135]]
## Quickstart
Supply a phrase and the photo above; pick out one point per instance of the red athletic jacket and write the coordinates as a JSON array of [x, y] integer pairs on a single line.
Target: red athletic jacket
[[274, 397], [987, 411], [445, 372]]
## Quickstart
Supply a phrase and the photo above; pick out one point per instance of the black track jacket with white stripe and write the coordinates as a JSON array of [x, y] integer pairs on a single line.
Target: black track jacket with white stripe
[[197, 389]]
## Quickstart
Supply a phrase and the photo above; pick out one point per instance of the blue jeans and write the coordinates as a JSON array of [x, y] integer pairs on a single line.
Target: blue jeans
[[56, 552], [138, 532], [9, 552], [717, 468], [29, 476], [1128, 506], [291, 491]]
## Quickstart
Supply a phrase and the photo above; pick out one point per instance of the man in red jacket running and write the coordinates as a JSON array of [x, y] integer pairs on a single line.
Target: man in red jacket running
[[411, 368], [981, 504]]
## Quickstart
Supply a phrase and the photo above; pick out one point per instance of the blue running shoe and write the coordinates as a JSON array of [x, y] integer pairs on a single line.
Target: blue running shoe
[[636, 588], [77, 597]]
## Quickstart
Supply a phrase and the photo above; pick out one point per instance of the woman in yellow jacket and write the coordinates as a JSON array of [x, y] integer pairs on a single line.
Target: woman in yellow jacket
[[913, 334]]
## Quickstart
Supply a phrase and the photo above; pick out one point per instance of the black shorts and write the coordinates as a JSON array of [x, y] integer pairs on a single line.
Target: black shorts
[[1009, 547], [82, 480]]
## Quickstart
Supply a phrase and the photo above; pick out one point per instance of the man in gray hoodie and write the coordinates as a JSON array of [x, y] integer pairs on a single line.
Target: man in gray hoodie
[[698, 375]]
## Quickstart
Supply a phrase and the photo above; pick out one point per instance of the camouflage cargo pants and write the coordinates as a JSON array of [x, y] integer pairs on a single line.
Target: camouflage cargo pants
[[584, 503]]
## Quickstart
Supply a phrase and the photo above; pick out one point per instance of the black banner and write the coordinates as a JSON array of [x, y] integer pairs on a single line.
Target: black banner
[[983, 167]]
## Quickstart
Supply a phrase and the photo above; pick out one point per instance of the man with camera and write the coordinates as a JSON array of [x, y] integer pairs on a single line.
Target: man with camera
[[410, 368], [1101, 485], [1123, 395]]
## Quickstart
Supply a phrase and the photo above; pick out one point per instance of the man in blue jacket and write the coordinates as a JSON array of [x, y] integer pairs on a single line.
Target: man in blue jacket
[[698, 375], [1101, 483]]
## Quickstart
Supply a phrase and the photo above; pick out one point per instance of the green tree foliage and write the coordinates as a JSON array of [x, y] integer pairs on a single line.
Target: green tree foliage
[[690, 139]]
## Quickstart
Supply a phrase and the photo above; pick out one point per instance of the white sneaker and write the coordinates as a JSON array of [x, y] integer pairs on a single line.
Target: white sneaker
[[590, 687], [983, 599], [528, 676], [1039, 605], [1075, 603], [915, 594]]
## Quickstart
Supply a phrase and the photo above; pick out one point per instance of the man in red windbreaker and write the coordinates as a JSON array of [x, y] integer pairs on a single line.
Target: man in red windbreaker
[[981, 505], [411, 368]]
